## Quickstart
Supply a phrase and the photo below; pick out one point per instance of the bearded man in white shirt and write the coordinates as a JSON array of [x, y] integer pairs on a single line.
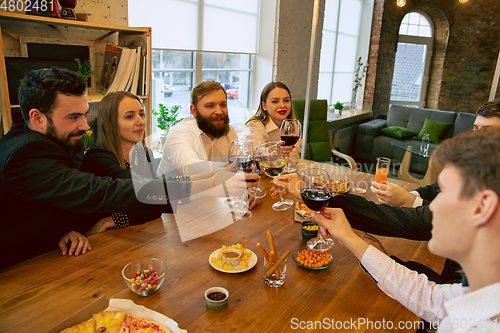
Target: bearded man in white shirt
[[204, 136], [465, 228]]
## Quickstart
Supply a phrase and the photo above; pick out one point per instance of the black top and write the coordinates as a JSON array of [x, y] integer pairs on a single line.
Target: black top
[[103, 163], [428, 193], [43, 196]]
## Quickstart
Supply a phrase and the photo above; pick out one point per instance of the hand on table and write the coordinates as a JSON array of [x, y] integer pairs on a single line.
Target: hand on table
[[392, 194], [79, 244], [338, 227], [289, 183]]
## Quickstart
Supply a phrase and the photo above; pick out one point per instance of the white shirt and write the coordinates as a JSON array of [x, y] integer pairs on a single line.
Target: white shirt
[[418, 200], [258, 133], [451, 306], [187, 148]]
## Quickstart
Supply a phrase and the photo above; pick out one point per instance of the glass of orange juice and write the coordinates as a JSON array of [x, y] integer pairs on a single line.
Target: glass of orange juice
[[382, 170]]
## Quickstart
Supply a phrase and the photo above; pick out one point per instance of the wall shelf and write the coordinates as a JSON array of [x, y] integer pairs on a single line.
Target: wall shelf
[[19, 29]]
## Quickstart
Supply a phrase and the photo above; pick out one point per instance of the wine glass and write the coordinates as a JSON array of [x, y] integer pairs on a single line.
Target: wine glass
[[290, 133], [316, 193], [243, 151], [272, 162], [257, 191]]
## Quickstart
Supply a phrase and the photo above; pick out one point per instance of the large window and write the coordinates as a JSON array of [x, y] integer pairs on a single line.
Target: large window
[[174, 73], [195, 40], [339, 50], [412, 64]]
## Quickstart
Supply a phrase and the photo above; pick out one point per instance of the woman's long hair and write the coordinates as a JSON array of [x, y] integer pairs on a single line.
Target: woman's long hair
[[108, 135], [261, 114]]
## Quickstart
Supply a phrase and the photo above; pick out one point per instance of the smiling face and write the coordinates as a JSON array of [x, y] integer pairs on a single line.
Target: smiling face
[[278, 105], [452, 214], [131, 122], [67, 122], [211, 114]]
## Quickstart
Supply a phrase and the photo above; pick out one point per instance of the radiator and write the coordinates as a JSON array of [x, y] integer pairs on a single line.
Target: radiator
[[343, 139]]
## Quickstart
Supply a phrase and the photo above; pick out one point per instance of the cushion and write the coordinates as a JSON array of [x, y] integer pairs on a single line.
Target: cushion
[[321, 151], [398, 132], [436, 130]]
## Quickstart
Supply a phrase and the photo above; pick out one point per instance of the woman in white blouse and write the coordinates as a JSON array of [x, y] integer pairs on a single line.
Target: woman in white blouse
[[275, 106]]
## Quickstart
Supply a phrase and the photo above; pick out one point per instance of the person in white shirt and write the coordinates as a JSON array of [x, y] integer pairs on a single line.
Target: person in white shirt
[[488, 114], [465, 228], [264, 126], [201, 142], [204, 136]]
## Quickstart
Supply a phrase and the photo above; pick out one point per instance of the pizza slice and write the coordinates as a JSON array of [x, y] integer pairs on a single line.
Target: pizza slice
[[85, 327], [142, 325], [301, 206], [109, 321]]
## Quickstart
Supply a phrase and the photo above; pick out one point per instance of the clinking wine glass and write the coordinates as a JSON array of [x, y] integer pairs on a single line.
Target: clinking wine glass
[[257, 191], [243, 151], [272, 162], [290, 133], [316, 193]]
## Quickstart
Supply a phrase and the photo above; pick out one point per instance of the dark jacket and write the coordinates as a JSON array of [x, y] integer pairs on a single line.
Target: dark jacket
[[103, 163], [43, 195]]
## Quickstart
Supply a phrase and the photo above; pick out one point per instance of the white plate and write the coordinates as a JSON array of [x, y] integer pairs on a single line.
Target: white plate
[[234, 269]]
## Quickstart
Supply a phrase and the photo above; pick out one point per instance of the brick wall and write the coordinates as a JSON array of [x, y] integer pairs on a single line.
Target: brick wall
[[113, 12], [466, 49], [293, 41]]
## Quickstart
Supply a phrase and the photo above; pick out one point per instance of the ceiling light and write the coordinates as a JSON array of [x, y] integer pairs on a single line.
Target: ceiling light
[[463, 1], [401, 3]]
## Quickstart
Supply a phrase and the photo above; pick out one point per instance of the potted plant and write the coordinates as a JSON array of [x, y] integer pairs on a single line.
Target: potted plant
[[85, 69], [165, 119], [338, 106], [88, 139]]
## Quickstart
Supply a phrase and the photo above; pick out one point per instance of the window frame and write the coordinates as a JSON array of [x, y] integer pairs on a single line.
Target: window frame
[[429, 42]]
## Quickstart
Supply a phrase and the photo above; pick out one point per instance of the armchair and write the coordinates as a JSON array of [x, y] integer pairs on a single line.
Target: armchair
[[319, 146]]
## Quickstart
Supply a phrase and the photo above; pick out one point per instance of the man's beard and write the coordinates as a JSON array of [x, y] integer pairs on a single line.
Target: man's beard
[[73, 147], [207, 125]]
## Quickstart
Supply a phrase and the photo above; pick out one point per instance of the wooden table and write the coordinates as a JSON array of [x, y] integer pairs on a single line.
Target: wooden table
[[38, 293]]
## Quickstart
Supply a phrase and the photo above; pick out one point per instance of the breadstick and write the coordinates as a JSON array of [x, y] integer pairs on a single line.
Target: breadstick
[[263, 251], [272, 269], [270, 239], [274, 260]]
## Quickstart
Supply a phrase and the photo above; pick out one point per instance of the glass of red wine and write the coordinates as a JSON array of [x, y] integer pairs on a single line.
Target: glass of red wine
[[290, 133], [316, 193], [243, 151]]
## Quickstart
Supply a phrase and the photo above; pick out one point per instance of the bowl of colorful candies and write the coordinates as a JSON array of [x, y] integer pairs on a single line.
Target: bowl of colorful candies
[[144, 276]]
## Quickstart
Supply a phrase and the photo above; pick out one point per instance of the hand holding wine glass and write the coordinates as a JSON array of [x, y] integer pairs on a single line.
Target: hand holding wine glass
[[290, 133], [316, 194]]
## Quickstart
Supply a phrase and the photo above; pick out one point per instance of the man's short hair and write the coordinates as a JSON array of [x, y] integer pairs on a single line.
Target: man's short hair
[[475, 154], [39, 89], [203, 88], [489, 109]]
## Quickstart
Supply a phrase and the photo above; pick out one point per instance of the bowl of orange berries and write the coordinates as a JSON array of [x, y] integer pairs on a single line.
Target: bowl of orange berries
[[311, 259]]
